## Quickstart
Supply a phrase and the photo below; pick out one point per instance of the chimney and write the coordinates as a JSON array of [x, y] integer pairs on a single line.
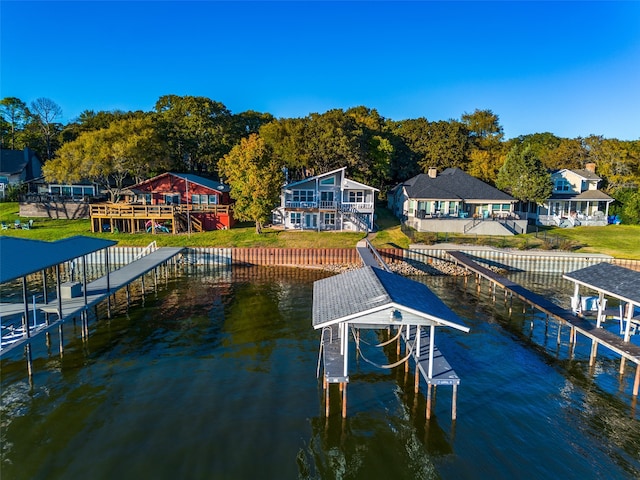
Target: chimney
[[433, 172], [590, 166]]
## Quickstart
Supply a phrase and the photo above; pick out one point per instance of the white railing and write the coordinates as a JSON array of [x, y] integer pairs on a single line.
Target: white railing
[[290, 204], [357, 206], [152, 247]]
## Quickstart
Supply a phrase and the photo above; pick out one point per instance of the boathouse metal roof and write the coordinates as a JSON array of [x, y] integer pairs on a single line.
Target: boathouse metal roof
[[610, 279], [20, 256], [361, 295]]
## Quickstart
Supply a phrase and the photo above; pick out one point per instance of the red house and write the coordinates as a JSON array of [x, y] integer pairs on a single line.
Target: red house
[[170, 202]]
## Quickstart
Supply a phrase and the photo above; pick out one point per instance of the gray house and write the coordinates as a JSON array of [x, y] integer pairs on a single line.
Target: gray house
[[454, 201], [329, 201], [18, 167]]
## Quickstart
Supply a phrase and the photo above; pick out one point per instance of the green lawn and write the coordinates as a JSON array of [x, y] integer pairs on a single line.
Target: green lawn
[[621, 241]]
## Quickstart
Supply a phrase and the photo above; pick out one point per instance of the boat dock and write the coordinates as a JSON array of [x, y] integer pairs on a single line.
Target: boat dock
[[374, 298], [589, 329], [77, 298]]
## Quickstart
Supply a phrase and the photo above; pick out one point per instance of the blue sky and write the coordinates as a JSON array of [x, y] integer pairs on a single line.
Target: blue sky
[[569, 68]]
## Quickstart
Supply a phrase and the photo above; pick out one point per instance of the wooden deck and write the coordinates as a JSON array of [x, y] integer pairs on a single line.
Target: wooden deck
[[97, 291], [583, 326], [127, 217]]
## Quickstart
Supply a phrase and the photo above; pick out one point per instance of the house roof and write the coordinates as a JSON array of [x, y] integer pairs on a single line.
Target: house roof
[[587, 195], [191, 178], [352, 184], [315, 176], [15, 161], [359, 293], [20, 257], [453, 184], [610, 279], [586, 174]]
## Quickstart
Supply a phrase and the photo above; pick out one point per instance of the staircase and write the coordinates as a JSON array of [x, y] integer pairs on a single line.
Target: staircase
[[182, 223], [357, 218]]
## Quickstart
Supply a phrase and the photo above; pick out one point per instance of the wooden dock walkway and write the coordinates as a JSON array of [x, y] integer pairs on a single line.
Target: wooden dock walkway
[[585, 327], [369, 256], [97, 291]]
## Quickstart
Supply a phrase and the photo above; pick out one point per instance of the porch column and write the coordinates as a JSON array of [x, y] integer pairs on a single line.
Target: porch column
[[346, 348], [432, 334]]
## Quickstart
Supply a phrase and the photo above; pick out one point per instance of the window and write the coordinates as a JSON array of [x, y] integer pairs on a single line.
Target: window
[[213, 199], [329, 219], [195, 199], [172, 199], [326, 196], [296, 218], [303, 196], [147, 199], [356, 196], [562, 185], [328, 181]]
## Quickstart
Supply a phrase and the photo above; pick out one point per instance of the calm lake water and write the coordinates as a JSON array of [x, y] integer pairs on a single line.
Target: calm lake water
[[214, 376]]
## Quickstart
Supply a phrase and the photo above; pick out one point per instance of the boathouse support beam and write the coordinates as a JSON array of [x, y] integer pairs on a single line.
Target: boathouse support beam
[[432, 334]]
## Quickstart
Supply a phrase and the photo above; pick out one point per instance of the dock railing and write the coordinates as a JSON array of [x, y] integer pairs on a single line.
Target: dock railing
[[152, 247]]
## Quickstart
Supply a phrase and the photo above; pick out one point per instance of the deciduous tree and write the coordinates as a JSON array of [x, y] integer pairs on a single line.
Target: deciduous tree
[[524, 176], [255, 178], [15, 113], [127, 148], [46, 112], [197, 130]]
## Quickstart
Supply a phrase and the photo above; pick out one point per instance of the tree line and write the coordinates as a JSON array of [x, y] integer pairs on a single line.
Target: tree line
[[200, 135]]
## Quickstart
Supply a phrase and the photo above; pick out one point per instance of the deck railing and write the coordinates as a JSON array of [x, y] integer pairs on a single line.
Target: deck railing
[[149, 211]]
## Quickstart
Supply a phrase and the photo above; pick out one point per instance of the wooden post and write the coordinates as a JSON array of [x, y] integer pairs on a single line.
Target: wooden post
[[428, 401], [594, 351], [636, 383], [344, 400], [623, 361], [326, 401], [27, 351], [61, 339], [454, 403]]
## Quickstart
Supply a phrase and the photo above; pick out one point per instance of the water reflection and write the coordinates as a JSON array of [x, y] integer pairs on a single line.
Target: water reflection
[[214, 376]]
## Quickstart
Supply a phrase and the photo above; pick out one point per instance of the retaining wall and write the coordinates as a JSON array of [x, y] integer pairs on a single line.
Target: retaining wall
[[538, 261]]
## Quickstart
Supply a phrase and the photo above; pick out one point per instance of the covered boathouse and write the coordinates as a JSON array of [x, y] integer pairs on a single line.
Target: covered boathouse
[[372, 298]]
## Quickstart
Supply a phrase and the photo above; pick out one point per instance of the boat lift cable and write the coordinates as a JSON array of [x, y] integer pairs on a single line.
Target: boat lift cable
[[383, 344], [392, 365]]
